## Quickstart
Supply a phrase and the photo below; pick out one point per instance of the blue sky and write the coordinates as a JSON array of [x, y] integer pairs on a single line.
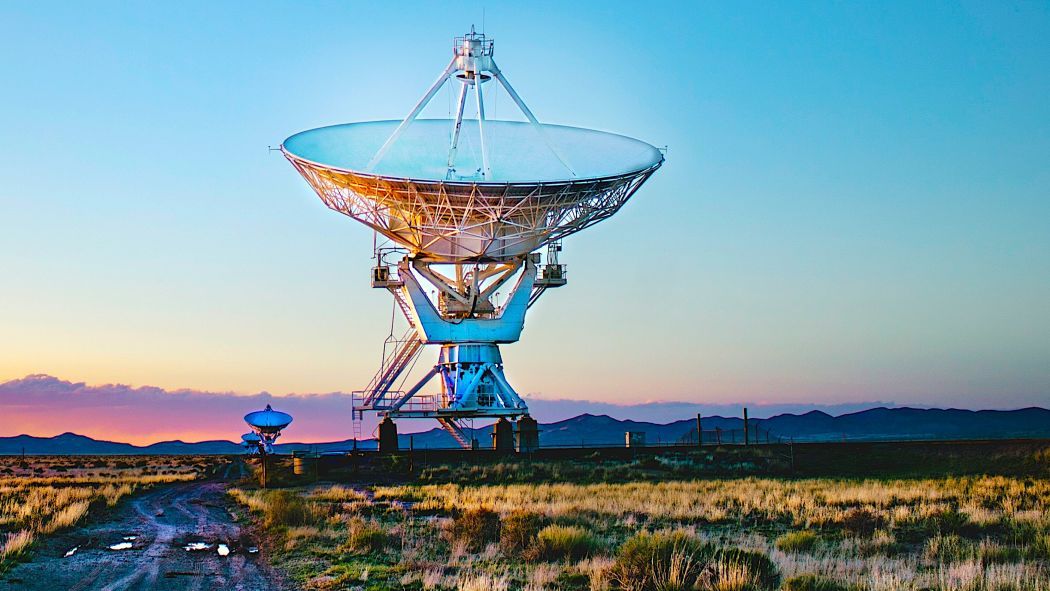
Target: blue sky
[[855, 204]]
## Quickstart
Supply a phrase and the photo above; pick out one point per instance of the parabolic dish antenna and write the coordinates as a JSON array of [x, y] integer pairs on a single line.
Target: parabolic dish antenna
[[268, 420], [527, 199], [266, 425], [479, 196], [251, 442]]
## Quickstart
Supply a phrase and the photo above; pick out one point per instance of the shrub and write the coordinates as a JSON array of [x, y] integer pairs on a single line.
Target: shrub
[[561, 542], [948, 549], [743, 570], [474, 529], [809, 582], [659, 561], [859, 521], [1040, 548], [570, 581], [726, 575], [797, 541], [283, 508], [950, 522], [882, 542], [367, 537], [673, 561], [518, 530]]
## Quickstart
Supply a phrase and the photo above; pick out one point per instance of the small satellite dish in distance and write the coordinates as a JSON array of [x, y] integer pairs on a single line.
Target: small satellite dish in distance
[[251, 442], [267, 425], [268, 420]]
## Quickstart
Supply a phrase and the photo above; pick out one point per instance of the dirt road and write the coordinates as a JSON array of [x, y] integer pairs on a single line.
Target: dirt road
[[143, 545]]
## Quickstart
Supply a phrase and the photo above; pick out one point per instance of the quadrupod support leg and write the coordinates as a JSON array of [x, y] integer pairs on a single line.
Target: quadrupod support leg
[[472, 385], [469, 370]]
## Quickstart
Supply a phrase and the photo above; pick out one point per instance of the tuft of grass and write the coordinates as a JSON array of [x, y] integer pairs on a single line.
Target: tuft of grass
[[66, 517], [284, 508], [367, 537], [726, 575], [859, 521], [339, 493], [811, 582], [16, 544], [797, 542], [482, 582], [555, 543], [659, 561], [677, 573], [518, 531], [475, 529], [746, 570], [677, 560]]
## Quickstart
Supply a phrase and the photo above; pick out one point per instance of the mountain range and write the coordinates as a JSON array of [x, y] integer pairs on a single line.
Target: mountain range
[[587, 429]]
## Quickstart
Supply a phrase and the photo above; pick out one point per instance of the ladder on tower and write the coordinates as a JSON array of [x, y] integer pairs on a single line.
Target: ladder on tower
[[402, 303], [355, 421]]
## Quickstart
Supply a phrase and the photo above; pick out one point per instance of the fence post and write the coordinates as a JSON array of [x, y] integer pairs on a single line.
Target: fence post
[[747, 431], [699, 431], [718, 435]]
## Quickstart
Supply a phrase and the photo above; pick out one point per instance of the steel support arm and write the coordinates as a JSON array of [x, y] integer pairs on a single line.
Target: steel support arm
[[485, 171], [455, 131], [532, 118], [412, 115], [415, 389]]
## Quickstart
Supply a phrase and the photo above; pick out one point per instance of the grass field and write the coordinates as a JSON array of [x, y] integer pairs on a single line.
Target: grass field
[[42, 495], [969, 533]]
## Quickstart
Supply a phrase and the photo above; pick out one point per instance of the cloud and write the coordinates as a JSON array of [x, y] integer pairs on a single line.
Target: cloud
[[43, 405]]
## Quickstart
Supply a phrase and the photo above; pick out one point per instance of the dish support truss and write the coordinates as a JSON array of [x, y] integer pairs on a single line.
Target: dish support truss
[[469, 328], [445, 221]]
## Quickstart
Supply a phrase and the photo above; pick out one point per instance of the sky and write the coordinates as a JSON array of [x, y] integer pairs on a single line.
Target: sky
[[855, 204]]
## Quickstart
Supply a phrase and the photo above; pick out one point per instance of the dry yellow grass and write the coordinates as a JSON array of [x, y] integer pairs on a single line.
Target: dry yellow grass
[[936, 534], [16, 544], [799, 503]]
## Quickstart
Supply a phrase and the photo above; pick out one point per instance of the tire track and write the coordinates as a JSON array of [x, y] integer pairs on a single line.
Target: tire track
[[164, 520]]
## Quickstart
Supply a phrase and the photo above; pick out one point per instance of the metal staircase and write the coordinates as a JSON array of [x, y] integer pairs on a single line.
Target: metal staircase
[[456, 431], [400, 357], [408, 347]]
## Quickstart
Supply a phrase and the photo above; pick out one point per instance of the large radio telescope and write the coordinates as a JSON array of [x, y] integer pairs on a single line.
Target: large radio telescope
[[469, 202]]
